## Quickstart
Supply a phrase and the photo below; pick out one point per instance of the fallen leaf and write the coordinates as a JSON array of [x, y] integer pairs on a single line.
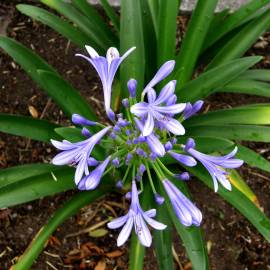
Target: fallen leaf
[[101, 265], [33, 111], [98, 233], [114, 254]]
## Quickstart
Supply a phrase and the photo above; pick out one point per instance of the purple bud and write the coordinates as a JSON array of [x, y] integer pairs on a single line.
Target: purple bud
[[141, 139], [80, 120], [138, 178], [153, 156], [116, 128], [132, 85], [85, 132], [189, 144], [128, 142], [111, 115], [115, 162], [141, 152], [125, 102], [92, 162], [141, 169], [128, 132], [119, 184], [122, 122], [128, 158], [168, 146], [135, 141], [183, 176], [113, 136], [128, 195], [173, 141], [159, 199]]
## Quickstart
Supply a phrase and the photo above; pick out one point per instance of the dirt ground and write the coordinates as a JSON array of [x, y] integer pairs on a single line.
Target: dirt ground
[[233, 244]]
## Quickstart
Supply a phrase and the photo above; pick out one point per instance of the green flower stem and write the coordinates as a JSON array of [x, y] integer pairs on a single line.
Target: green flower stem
[[165, 168], [150, 178], [69, 209]]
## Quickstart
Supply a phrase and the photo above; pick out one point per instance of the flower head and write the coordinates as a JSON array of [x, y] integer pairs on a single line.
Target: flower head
[[137, 217], [106, 68]]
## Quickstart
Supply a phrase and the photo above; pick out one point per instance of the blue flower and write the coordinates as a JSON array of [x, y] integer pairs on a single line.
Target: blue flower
[[155, 110], [184, 209], [137, 217], [77, 153], [190, 109], [215, 165], [106, 69]]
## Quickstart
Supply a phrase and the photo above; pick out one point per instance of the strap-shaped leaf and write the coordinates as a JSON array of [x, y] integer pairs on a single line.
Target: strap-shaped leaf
[[97, 39], [111, 14], [252, 158], [233, 132], [232, 21], [61, 215], [241, 42], [163, 240], [39, 130], [131, 34], [209, 144], [193, 40], [251, 115], [56, 23], [250, 87], [63, 93], [238, 200], [215, 78], [96, 20], [154, 11], [191, 236], [37, 186], [166, 34], [236, 180], [256, 74], [18, 173], [54, 85]]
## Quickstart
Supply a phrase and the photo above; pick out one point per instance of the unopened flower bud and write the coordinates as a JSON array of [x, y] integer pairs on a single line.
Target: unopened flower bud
[[125, 102], [80, 120], [132, 85], [159, 199]]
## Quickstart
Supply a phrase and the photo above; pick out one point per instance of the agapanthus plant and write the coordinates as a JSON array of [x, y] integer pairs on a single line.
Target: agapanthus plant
[[158, 131], [138, 140]]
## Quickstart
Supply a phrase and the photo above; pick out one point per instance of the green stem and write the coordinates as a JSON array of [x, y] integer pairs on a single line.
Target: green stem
[[150, 178], [165, 168]]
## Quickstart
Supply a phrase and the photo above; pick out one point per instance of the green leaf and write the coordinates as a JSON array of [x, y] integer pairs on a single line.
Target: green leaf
[[56, 23], [233, 132], [39, 130], [232, 21], [71, 134], [37, 186], [209, 144], [131, 34], [166, 35], [18, 173], [251, 115], [98, 23], [65, 95], [241, 42], [48, 79], [154, 11], [61, 215], [247, 87], [191, 236], [215, 78], [256, 74], [238, 200], [98, 39], [252, 158], [111, 14], [193, 40], [163, 240]]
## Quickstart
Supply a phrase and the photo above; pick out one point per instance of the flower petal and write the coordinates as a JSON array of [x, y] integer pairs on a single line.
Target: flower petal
[[92, 52], [148, 126], [172, 109], [174, 126], [139, 109], [166, 92], [125, 232], [142, 231], [151, 95], [186, 160], [118, 222], [153, 223]]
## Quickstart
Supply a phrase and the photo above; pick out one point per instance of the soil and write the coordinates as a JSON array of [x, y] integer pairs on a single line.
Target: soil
[[231, 240]]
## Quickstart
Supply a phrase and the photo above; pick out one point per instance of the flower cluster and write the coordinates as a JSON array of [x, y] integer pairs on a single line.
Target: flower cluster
[[140, 139]]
